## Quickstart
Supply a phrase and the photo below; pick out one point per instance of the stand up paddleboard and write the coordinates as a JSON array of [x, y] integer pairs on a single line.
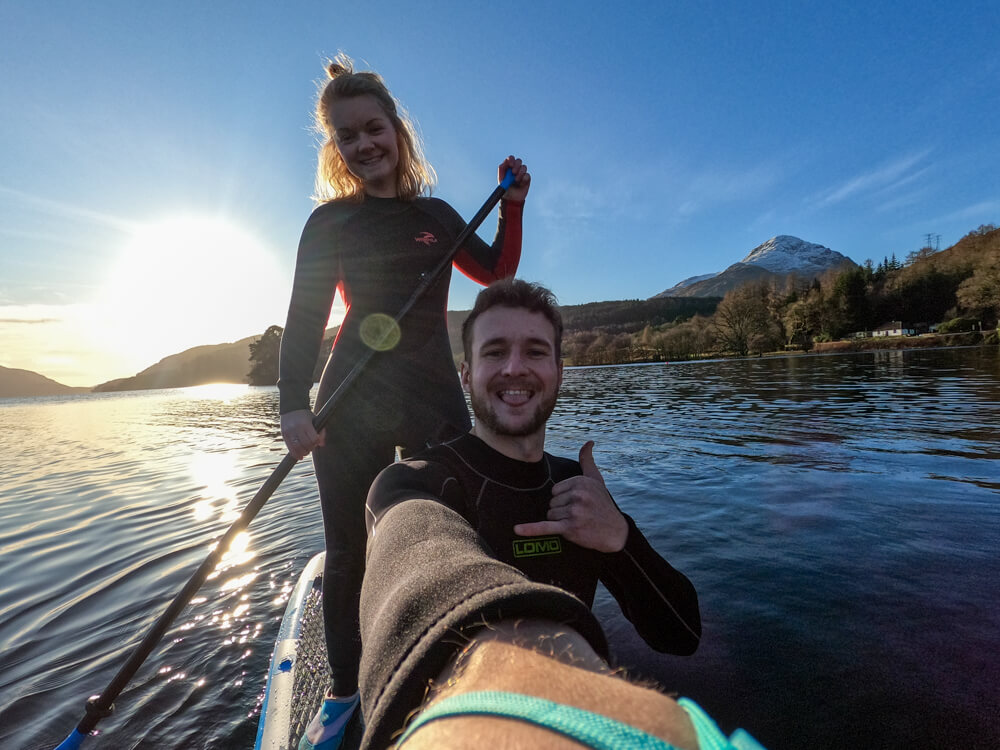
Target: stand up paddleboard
[[299, 672]]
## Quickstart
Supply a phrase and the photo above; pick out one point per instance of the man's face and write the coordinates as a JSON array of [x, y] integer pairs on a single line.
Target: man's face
[[513, 379]]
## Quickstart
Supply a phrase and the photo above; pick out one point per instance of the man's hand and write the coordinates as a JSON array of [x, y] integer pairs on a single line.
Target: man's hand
[[582, 510]]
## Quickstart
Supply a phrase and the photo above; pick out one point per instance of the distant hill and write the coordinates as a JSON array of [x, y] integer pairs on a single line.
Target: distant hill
[[622, 316], [213, 363], [977, 248], [16, 383], [634, 314], [219, 363], [774, 261]]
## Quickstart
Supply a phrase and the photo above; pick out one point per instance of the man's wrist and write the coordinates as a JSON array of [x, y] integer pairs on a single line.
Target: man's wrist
[[547, 660]]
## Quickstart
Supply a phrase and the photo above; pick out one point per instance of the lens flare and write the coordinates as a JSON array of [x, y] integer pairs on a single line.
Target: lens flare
[[380, 332]]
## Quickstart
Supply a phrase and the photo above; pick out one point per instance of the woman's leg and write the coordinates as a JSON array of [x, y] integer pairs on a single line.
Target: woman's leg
[[345, 468], [389, 406]]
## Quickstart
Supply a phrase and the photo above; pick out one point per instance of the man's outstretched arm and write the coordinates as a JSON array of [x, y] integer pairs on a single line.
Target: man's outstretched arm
[[446, 627]]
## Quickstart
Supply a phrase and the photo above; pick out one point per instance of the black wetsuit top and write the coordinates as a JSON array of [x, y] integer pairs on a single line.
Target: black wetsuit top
[[374, 253], [494, 492]]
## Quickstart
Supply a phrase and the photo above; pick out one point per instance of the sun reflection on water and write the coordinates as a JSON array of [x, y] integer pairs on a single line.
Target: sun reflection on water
[[214, 472], [224, 392], [239, 553], [202, 510]]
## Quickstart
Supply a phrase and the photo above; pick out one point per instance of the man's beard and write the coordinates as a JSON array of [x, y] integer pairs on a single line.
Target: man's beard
[[487, 416]]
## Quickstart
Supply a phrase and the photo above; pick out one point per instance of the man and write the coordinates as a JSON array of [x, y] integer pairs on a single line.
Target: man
[[551, 518], [465, 638]]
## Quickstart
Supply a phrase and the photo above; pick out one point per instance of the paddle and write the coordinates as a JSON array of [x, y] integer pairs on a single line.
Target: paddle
[[100, 706]]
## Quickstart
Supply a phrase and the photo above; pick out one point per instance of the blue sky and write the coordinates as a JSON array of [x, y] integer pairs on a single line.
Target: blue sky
[[158, 158]]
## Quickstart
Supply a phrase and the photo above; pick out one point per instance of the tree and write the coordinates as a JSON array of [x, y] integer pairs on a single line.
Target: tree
[[850, 292], [646, 344], [743, 321], [917, 255], [982, 230], [687, 339], [980, 293], [264, 357], [801, 320], [927, 296], [869, 272]]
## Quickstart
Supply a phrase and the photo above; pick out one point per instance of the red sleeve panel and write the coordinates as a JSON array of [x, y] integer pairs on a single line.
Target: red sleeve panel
[[506, 248]]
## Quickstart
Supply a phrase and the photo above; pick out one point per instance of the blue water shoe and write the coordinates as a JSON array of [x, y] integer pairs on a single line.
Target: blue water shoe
[[326, 730]]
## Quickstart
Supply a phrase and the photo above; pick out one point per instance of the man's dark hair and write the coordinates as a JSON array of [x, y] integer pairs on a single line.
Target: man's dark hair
[[516, 293]]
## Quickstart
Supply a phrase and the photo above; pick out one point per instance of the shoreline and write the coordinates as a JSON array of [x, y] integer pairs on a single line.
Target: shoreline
[[857, 346], [967, 339]]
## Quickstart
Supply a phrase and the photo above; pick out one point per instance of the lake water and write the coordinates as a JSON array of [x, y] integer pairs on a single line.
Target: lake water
[[839, 516]]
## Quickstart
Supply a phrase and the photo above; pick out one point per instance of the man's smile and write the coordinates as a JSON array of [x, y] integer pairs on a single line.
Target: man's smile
[[515, 396]]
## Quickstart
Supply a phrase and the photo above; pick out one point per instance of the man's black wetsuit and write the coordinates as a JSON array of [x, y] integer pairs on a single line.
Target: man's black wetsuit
[[374, 252], [494, 492], [430, 580]]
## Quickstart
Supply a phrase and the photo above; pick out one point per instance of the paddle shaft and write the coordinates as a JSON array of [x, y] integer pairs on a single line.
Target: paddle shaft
[[101, 706]]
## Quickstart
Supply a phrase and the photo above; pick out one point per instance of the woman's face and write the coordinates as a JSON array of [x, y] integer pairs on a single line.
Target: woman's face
[[367, 143]]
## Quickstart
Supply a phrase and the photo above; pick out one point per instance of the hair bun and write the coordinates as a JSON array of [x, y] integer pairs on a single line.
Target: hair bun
[[341, 65]]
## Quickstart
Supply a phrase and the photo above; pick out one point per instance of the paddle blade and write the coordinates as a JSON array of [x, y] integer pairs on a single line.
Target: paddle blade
[[72, 742]]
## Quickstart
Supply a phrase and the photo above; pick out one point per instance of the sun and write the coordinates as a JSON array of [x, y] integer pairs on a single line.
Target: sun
[[185, 282]]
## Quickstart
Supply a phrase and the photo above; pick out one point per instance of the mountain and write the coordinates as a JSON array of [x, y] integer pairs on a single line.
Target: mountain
[[717, 285], [219, 363], [775, 260], [785, 254], [25, 384], [672, 291]]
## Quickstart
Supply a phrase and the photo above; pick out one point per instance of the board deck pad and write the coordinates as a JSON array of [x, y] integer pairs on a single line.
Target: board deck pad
[[298, 672]]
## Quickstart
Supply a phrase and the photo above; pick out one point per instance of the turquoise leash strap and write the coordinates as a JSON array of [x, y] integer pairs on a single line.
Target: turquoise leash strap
[[710, 737], [594, 730]]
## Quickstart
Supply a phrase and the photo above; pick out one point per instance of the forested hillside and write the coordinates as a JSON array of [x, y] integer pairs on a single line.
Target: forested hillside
[[598, 325], [955, 291]]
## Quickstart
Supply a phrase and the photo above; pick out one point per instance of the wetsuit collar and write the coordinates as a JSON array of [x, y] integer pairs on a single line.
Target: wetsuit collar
[[491, 463]]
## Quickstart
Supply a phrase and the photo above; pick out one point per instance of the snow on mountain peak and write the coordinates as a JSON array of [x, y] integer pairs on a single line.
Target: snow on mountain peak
[[786, 254]]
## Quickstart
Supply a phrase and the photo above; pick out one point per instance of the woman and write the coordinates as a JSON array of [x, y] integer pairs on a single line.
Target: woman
[[371, 238]]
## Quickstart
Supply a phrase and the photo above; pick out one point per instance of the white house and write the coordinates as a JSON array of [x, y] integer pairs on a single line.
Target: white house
[[893, 328]]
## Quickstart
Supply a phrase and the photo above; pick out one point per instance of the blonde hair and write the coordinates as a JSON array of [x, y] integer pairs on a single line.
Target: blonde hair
[[414, 175]]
